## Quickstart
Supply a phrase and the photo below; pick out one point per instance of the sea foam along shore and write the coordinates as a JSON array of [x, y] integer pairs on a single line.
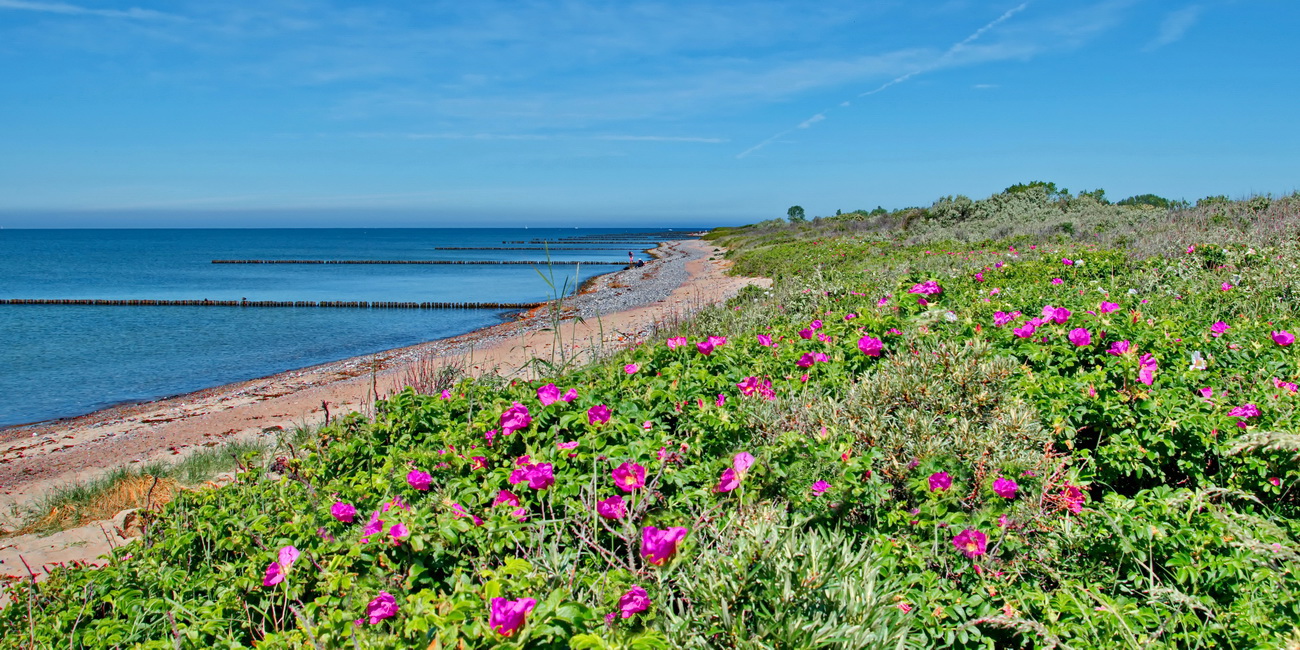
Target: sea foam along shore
[[617, 309]]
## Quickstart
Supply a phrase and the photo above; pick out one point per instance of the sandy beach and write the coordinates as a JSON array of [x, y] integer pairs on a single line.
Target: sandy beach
[[35, 459]]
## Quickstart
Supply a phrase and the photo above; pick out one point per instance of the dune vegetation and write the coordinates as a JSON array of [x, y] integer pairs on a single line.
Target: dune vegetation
[[1034, 420]]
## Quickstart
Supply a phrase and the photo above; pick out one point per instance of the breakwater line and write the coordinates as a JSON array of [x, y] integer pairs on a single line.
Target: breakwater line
[[531, 248], [341, 304], [435, 262]]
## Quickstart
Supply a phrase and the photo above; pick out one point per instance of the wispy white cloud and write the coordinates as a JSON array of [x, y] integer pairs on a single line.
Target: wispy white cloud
[[75, 10], [811, 121], [985, 86], [952, 56], [1175, 26]]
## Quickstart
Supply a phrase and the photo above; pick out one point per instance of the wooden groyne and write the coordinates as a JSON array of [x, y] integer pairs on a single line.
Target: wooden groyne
[[530, 248], [643, 243], [341, 304], [430, 262]]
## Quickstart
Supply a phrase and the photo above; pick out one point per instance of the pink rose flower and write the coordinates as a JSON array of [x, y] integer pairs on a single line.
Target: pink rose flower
[[505, 617], [940, 481], [1005, 488], [629, 476], [728, 481], [612, 508], [972, 543], [598, 414], [659, 546], [548, 394], [870, 346], [635, 600], [344, 512], [515, 418], [419, 480], [382, 607]]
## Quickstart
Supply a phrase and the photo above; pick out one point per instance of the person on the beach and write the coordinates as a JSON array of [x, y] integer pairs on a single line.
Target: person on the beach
[[630, 259]]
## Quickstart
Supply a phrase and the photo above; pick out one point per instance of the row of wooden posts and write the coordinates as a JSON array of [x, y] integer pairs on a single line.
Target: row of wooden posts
[[435, 262]]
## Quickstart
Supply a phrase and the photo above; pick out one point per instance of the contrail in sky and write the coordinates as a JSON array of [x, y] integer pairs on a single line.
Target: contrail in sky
[[938, 63]]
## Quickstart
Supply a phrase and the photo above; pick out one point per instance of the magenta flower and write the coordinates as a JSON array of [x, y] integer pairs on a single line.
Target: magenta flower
[[820, 487], [1024, 331], [276, 571], [722, 399], [629, 476], [635, 600], [816, 324], [659, 546], [1080, 337], [1073, 497], [940, 481], [970, 542], [505, 617], [805, 333], [541, 476], [373, 527], [927, 288], [478, 462], [807, 360], [1108, 307], [728, 481], [567, 445], [765, 340], [1206, 392], [871, 346], [1147, 369], [570, 395], [675, 342], [1245, 411], [742, 462], [598, 414], [1218, 328], [1001, 318], [344, 512], [548, 394], [515, 418], [1059, 315], [1225, 287], [1275, 481], [506, 498], [1067, 262], [631, 368], [717, 341], [1058, 281], [1119, 348], [1283, 338], [419, 480], [612, 508], [704, 347], [1005, 488], [382, 607], [445, 394], [399, 532]]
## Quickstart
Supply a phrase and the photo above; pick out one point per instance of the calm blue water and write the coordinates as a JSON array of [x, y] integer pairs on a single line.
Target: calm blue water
[[61, 361]]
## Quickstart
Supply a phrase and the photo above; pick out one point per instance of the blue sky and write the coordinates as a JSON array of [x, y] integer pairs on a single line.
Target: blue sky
[[583, 112]]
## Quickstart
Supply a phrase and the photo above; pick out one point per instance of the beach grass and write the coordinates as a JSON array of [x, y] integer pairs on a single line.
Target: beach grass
[[149, 485]]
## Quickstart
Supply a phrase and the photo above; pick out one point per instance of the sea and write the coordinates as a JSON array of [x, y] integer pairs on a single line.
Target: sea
[[59, 361]]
